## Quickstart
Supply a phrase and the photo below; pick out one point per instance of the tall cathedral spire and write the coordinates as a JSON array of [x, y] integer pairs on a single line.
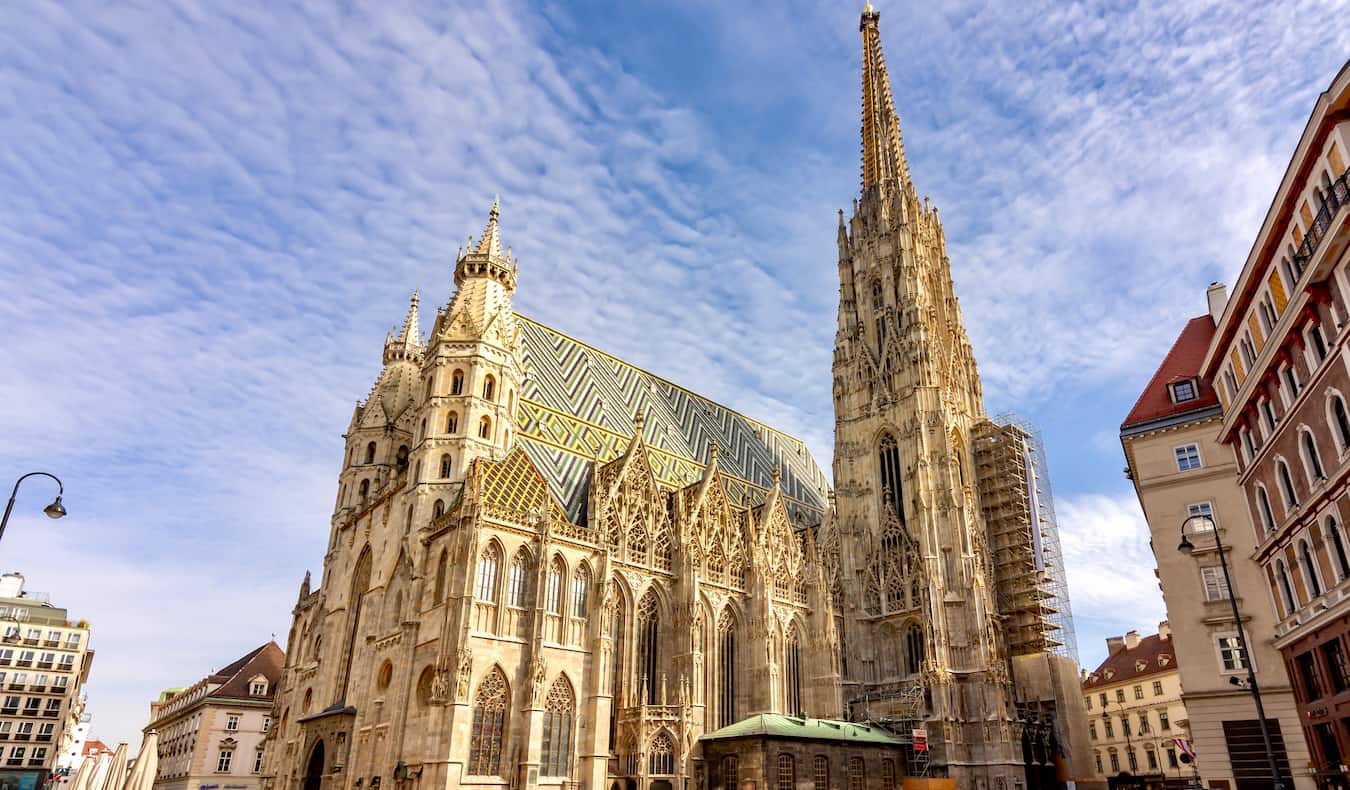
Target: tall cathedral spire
[[883, 154]]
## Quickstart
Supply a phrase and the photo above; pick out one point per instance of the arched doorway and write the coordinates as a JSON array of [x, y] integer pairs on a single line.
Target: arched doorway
[[314, 769]]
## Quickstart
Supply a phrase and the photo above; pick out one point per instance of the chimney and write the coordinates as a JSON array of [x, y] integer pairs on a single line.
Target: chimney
[[1164, 630], [1114, 644], [1217, 294], [1131, 639]]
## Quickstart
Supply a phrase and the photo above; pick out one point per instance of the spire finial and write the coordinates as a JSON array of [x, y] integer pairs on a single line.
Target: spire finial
[[883, 154]]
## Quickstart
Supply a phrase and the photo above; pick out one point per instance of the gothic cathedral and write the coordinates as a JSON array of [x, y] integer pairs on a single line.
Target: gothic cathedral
[[549, 568]]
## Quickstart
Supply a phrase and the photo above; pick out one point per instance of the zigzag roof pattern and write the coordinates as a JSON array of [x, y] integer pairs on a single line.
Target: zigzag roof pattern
[[577, 407]]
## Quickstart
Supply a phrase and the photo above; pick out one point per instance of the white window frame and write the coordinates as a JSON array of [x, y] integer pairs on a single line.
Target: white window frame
[[1285, 495], [1181, 451], [1212, 584], [232, 722], [1341, 444], [1205, 508], [1315, 327], [1188, 383], [1269, 419], [1218, 653], [224, 760], [1285, 374]]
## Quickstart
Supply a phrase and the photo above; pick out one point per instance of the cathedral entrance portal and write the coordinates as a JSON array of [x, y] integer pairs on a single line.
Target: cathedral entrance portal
[[314, 769]]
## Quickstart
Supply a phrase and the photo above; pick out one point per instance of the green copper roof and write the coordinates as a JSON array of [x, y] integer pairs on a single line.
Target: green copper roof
[[774, 725]]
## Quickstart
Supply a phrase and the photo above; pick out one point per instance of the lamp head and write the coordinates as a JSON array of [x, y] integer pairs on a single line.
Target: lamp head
[[55, 509], [1186, 547]]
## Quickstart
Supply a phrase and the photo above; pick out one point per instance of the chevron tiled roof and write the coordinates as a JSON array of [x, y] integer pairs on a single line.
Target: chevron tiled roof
[[578, 406]]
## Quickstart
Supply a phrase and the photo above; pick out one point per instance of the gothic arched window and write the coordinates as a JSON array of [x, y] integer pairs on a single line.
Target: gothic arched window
[[487, 574], [726, 670], [485, 428], [1341, 421], [489, 388], [1286, 485], [1286, 588], [1337, 539], [362, 491], [445, 465], [438, 508], [1312, 459], [1263, 510], [553, 587], [370, 453], [457, 383], [556, 741], [792, 676], [637, 541], [452, 422], [1310, 576], [355, 601], [888, 457], [617, 628], [517, 583], [581, 581], [914, 648], [661, 755], [648, 632], [489, 725], [661, 551], [438, 592]]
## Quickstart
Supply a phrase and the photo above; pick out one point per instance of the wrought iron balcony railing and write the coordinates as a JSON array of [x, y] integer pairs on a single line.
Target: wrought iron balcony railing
[[1337, 196]]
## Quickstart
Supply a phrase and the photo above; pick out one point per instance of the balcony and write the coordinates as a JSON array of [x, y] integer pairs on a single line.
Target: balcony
[[1338, 195]]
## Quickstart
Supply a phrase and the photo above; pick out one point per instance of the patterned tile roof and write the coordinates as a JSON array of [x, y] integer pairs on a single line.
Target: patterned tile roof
[[780, 726], [1153, 655], [578, 406], [1182, 362]]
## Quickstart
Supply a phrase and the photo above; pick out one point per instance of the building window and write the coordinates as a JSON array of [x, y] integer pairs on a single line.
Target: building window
[[457, 383], [1134, 761], [1097, 756], [452, 423], [1341, 421], [487, 575], [442, 571], [1125, 725], [267, 724], [1108, 729], [581, 581], [1248, 446], [1231, 655], [489, 388], [516, 582], [1336, 537], [559, 712], [1268, 414], [857, 774], [1317, 343], [1286, 485], [1143, 722], [1291, 384], [1204, 510], [1308, 676], [1152, 758], [887, 774], [1216, 589], [1164, 723], [1172, 757], [1102, 699], [370, 453], [1286, 588], [1183, 391], [223, 760], [489, 725], [1311, 459], [1120, 695], [446, 465], [553, 588], [787, 772], [1188, 457], [891, 487], [258, 689], [726, 675], [1263, 511], [257, 761], [820, 770], [232, 722], [437, 509], [1157, 688], [1115, 762], [485, 428], [1138, 692], [1310, 576], [1092, 730], [1339, 672]]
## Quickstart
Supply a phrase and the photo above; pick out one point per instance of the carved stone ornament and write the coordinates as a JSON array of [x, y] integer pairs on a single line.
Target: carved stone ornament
[[538, 671], [465, 669]]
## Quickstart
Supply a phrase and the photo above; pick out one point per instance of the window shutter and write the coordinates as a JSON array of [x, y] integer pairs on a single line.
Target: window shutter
[[1256, 331], [1277, 291]]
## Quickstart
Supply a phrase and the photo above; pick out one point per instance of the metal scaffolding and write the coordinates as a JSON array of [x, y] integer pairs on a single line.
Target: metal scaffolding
[[1023, 535]]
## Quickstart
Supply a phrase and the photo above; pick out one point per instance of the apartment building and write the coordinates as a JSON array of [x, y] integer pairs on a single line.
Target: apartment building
[[211, 733], [1179, 470], [44, 662], [1137, 723], [1282, 364]]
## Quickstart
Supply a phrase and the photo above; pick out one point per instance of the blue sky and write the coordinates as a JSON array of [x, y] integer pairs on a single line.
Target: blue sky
[[210, 214]]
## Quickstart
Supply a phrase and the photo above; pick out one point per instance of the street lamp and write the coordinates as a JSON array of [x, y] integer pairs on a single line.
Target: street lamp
[[54, 510], [1186, 547], [1125, 727]]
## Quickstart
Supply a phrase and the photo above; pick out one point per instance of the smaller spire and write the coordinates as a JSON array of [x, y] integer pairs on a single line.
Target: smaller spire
[[491, 244], [407, 343], [485, 259]]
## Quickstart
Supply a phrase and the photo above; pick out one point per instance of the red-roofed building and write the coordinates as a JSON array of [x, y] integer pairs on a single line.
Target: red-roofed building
[[1180, 470], [1137, 722]]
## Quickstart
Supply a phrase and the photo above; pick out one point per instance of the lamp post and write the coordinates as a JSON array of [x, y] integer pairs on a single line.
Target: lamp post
[[1125, 728], [1186, 547], [54, 510]]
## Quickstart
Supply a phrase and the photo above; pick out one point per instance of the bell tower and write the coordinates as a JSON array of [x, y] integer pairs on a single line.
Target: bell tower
[[921, 633]]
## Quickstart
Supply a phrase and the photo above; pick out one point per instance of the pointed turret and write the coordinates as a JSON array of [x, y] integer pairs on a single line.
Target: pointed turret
[[883, 153], [407, 342], [304, 587], [486, 259]]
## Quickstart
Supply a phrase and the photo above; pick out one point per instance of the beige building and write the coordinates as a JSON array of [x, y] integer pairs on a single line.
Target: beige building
[[549, 568], [44, 662], [1179, 470], [1138, 721], [211, 733]]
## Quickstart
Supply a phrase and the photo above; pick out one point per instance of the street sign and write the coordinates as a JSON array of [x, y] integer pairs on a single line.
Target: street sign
[[920, 740]]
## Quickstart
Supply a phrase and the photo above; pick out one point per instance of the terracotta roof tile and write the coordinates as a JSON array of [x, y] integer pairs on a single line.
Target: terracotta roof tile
[[1182, 362], [1153, 655]]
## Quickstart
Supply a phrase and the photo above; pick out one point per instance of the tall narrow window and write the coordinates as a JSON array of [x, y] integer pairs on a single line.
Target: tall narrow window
[[648, 625], [452, 423], [1286, 588], [487, 575], [617, 627], [363, 490], [730, 771], [1310, 576], [556, 745], [1312, 459], [857, 774], [581, 581], [1188, 457], [517, 583], [485, 428], [445, 465], [489, 725], [661, 755], [356, 600], [553, 588], [1341, 420], [787, 772], [1336, 537], [726, 670], [820, 772], [1263, 510], [793, 675], [914, 648], [370, 453], [1291, 381], [457, 383], [489, 388], [1286, 484], [889, 459], [438, 508], [442, 566], [887, 775]]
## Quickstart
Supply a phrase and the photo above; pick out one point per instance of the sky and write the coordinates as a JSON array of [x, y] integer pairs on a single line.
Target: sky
[[212, 213]]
